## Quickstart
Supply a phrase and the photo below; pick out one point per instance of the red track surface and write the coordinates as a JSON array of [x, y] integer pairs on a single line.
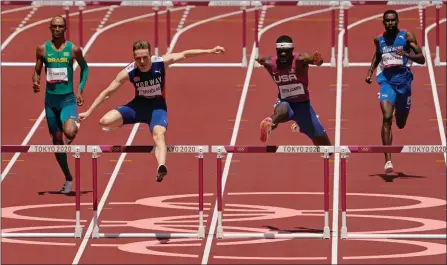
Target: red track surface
[[203, 104]]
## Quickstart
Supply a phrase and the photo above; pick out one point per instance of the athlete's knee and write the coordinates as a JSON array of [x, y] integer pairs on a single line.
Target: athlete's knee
[[70, 129], [387, 119], [401, 122], [71, 132], [158, 133]]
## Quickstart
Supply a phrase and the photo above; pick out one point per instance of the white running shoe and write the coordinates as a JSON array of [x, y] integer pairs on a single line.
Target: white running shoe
[[67, 187], [388, 167]]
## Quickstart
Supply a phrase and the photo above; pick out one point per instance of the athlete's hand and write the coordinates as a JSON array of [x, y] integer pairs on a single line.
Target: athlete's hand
[[317, 58], [83, 116], [368, 78], [36, 87], [79, 98], [218, 49], [401, 53]]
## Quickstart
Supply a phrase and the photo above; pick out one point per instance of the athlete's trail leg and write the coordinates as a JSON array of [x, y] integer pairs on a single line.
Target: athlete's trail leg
[[160, 150], [111, 120], [387, 122]]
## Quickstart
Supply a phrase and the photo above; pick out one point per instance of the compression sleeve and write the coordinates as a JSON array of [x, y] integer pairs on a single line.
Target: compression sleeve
[[84, 74]]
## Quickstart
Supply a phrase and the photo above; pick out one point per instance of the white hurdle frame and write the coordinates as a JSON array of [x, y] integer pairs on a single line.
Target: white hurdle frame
[[221, 150], [345, 150], [76, 150], [96, 150]]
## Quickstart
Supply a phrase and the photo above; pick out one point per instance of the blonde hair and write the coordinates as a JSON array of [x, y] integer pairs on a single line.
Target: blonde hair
[[141, 45]]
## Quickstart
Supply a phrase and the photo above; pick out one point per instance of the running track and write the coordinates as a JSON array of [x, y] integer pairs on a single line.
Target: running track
[[203, 106]]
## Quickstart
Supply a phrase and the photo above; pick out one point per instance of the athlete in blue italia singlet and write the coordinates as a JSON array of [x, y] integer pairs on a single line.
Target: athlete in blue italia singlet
[[289, 71], [147, 75], [395, 51]]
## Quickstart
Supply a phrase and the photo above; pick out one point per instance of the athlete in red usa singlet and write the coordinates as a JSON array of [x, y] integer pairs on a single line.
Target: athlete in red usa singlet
[[289, 71]]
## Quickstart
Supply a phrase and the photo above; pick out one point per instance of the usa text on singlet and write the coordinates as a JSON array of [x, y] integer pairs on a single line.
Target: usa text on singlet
[[148, 84], [291, 86]]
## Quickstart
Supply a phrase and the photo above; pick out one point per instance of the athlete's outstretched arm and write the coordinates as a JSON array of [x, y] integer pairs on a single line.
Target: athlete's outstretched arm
[[120, 79], [377, 57], [176, 57], [315, 58], [38, 67], [418, 56]]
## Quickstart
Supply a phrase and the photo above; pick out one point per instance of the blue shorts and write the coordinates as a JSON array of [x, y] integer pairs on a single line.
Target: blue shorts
[[59, 109], [306, 118], [400, 100], [153, 111]]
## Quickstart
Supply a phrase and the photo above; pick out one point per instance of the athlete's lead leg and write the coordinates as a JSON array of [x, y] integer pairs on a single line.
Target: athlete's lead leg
[[160, 151], [280, 114]]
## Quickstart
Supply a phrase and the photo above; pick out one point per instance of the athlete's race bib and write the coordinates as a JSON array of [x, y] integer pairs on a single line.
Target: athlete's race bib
[[291, 90], [392, 59], [55, 75], [149, 91]]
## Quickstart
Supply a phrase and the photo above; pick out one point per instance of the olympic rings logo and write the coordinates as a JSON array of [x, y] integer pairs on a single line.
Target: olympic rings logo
[[116, 148], [364, 149], [240, 149]]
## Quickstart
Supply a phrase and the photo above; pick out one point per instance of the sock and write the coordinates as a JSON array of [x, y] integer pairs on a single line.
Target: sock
[[62, 161]]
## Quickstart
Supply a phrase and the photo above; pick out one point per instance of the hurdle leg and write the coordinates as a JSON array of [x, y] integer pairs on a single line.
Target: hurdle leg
[[78, 227], [219, 230], [344, 228], [95, 232], [326, 229], [201, 232]]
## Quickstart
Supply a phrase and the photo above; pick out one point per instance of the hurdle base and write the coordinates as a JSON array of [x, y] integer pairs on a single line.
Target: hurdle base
[[396, 236], [38, 235], [78, 232], [95, 232], [443, 64], [201, 233], [326, 232], [272, 235], [149, 235]]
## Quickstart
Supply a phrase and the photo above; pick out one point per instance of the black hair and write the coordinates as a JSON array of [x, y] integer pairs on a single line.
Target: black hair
[[391, 11], [284, 38]]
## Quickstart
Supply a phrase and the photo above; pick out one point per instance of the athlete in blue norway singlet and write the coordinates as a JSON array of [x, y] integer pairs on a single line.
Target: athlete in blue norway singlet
[[149, 105], [395, 51]]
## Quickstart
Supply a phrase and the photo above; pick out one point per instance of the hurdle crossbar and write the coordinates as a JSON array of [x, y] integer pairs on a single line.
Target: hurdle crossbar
[[221, 150], [96, 150], [76, 150], [345, 150]]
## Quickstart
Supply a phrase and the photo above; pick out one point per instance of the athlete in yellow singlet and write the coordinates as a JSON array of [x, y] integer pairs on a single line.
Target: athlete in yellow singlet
[[60, 99]]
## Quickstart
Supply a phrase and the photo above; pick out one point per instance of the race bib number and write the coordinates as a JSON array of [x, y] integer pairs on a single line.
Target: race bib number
[[291, 90], [392, 59], [150, 91], [55, 75]]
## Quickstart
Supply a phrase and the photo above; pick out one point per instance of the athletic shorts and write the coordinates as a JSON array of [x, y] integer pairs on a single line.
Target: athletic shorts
[[59, 109], [152, 111], [306, 118], [400, 100]]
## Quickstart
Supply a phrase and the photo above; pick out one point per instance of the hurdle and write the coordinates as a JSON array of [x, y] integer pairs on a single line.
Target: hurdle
[[96, 150], [345, 150], [289, 149], [76, 149]]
